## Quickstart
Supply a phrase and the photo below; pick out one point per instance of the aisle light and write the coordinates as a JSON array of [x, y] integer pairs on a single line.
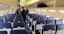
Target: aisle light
[[24, 0]]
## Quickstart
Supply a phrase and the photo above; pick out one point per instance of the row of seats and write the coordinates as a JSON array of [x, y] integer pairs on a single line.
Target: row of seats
[[14, 32], [45, 20], [51, 29], [11, 18], [50, 25], [12, 21]]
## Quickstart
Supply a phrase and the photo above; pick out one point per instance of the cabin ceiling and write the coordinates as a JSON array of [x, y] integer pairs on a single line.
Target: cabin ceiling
[[15, 3]]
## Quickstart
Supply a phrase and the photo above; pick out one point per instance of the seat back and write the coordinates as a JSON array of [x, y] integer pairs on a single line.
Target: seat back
[[3, 32], [5, 25], [60, 29], [50, 20], [18, 16], [1, 20], [8, 20], [15, 25], [59, 21], [49, 29], [41, 21], [10, 16], [18, 32], [36, 18], [44, 17]]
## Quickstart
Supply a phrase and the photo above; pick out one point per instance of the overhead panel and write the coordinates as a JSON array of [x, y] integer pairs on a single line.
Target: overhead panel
[[28, 2], [9, 2]]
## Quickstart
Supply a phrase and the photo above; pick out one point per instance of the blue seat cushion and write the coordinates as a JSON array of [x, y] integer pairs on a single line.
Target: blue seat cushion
[[3, 32]]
